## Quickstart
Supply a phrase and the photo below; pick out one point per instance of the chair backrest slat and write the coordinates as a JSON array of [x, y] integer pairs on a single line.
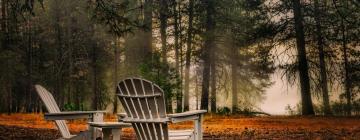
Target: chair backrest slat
[[145, 104], [124, 102], [158, 131], [152, 131], [138, 88], [52, 107], [137, 100], [153, 110], [133, 105], [144, 100]]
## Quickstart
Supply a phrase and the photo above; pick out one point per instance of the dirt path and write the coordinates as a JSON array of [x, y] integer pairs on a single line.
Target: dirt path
[[32, 126]]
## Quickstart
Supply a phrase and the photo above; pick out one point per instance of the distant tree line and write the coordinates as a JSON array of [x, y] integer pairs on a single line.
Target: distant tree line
[[64, 46], [217, 55], [325, 36]]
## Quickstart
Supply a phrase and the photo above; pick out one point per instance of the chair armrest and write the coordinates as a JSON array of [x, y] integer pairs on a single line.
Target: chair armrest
[[109, 124], [135, 120], [71, 115], [187, 113], [121, 116], [186, 116]]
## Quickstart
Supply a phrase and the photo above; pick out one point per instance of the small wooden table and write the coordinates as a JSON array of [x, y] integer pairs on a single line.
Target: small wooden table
[[109, 128]]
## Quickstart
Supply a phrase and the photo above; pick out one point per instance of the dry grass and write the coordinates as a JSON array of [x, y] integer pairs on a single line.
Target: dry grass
[[216, 125], [213, 124], [37, 121]]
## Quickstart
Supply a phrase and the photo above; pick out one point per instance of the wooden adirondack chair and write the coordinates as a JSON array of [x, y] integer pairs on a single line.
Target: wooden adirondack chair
[[144, 104], [59, 117]]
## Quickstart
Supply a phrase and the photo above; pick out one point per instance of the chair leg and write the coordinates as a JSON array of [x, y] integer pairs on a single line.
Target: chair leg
[[193, 136], [91, 132], [198, 128]]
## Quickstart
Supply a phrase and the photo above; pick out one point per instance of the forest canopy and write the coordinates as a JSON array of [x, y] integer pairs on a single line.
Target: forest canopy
[[217, 55]]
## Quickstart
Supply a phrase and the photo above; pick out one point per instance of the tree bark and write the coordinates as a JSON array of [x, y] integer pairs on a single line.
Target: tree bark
[[181, 61], [323, 74], [96, 100], [163, 26], [347, 80], [209, 43], [138, 46], [116, 77], [234, 80], [58, 72], [213, 83], [28, 104], [148, 23], [307, 106], [4, 30], [197, 92], [188, 56]]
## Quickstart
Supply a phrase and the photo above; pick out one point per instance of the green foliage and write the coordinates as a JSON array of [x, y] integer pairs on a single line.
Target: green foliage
[[223, 111], [58, 46], [114, 15], [64, 45], [248, 111], [293, 110], [340, 107], [73, 107], [160, 73]]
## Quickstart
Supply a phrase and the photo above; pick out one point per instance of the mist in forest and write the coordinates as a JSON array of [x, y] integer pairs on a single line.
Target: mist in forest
[[226, 56]]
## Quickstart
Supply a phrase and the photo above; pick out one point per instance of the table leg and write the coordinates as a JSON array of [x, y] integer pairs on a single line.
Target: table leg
[[107, 133], [95, 132], [116, 134]]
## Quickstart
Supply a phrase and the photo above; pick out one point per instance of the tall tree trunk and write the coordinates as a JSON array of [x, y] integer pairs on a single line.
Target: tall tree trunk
[[9, 103], [96, 100], [138, 46], [8, 98], [197, 92], [177, 35], [148, 23], [209, 43], [181, 71], [323, 75], [176, 45], [213, 82], [163, 27], [70, 42], [58, 71], [307, 106], [347, 80], [188, 56], [4, 30], [234, 76], [116, 77], [29, 51]]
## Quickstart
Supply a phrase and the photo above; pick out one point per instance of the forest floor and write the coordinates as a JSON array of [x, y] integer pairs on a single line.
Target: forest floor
[[33, 126]]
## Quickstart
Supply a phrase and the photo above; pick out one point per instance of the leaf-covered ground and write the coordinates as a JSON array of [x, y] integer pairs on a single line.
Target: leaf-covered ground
[[33, 126]]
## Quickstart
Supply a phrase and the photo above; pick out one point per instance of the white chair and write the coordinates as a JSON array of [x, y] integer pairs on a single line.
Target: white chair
[[144, 104], [59, 117]]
